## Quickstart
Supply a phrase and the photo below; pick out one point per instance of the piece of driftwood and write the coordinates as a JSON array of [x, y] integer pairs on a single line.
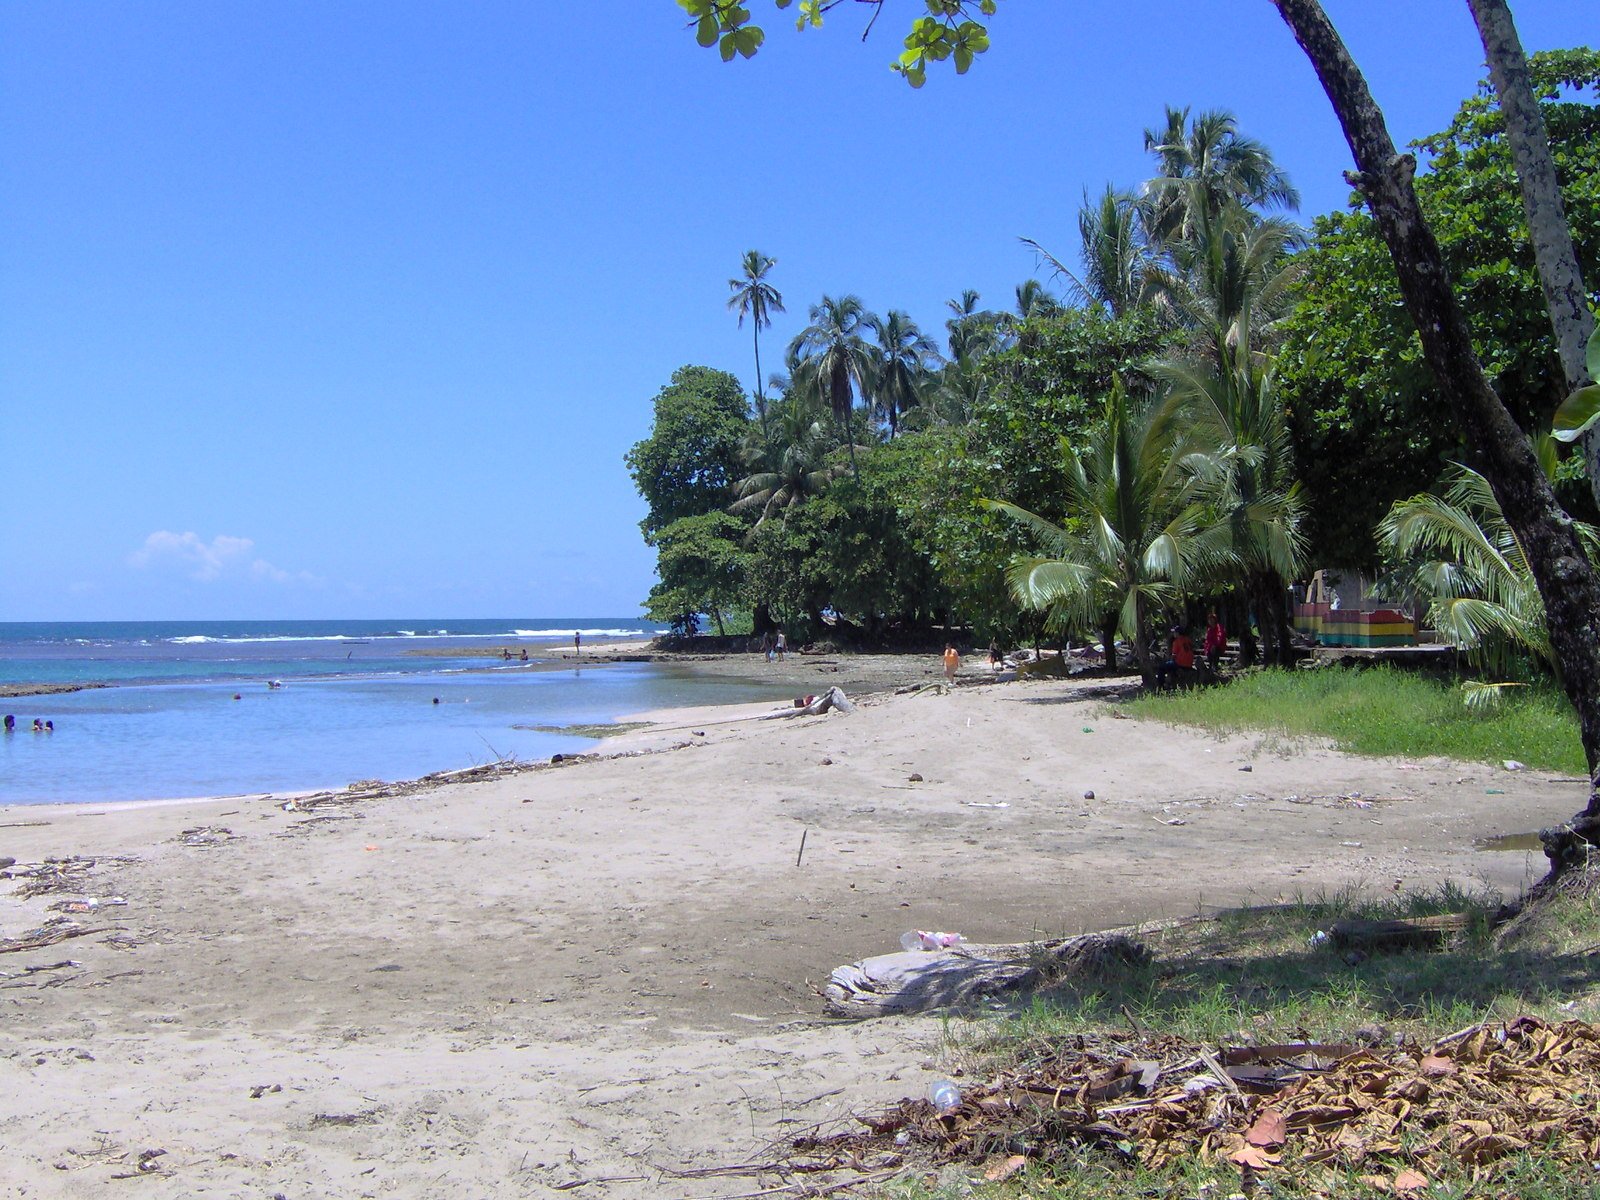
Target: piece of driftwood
[[49, 934], [920, 981], [834, 697], [1412, 933]]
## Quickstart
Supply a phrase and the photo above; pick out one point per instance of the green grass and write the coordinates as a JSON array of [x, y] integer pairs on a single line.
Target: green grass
[[1382, 711], [1251, 973]]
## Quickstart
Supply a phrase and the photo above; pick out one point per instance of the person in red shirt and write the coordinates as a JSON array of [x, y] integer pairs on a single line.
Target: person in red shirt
[[1180, 657], [1216, 640]]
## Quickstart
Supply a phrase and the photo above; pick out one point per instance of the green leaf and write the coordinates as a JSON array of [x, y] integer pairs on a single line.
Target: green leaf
[[963, 58], [1577, 414], [916, 76], [748, 40], [705, 32], [1593, 355], [728, 47]]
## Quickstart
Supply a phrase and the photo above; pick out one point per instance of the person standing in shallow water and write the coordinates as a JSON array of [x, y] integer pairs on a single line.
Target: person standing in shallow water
[[577, 641], [11, 723]]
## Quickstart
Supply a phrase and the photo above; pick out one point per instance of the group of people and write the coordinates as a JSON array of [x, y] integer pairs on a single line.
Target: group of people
[[38, 725], [774, 646], [1180, 650]]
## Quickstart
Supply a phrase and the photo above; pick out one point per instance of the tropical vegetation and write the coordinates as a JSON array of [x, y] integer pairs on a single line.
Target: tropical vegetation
[[1203, 404]]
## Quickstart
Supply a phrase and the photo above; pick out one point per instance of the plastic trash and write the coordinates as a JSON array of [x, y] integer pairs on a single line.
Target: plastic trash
[[944, 1096], [1320, 938], [1512, 764], [923, 939]]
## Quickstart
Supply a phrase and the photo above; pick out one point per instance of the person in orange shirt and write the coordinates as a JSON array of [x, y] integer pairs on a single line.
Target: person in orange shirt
[[952, 662], [1180, 657]]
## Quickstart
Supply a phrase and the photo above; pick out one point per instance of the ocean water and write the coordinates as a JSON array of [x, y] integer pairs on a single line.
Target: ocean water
[[356, 702]]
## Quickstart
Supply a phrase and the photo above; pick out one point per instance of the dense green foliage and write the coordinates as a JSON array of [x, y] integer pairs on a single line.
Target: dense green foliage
[[1366, 415]]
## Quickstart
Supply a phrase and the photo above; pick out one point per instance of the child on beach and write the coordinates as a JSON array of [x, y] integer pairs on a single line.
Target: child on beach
[[952, 662]]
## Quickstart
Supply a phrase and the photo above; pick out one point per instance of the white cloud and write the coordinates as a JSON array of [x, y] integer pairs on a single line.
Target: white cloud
[[206, 562]]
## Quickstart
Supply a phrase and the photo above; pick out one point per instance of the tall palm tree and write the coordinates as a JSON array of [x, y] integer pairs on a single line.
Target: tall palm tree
[[755, 298], [1133, 538], [1204, 164], [831, 356], [905, 357]]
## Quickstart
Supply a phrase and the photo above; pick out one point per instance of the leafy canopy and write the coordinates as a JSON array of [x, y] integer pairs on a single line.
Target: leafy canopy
[[947, 32]]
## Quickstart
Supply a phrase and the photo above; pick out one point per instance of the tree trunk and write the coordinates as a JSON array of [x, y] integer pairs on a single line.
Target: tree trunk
[[1141, 643], [761, 393], [1560, 568], [1246, 634], [1108, 638], [1559, 272]]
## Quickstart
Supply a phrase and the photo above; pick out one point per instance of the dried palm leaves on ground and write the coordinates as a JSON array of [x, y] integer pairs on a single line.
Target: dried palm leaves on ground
[[1401, 1113]]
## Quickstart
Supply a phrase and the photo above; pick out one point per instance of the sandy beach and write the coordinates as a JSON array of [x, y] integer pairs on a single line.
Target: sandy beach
[[576, 979]]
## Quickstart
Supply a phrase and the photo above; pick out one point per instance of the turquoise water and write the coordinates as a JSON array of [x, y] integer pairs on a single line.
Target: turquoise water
[[352, 705]]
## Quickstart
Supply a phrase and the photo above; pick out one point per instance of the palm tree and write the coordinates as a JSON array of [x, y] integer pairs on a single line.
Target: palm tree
[[831, 356], [1235, 443], [1115, 254], [1484, 599], [1232, 279], [1133, 537], [788, 461], [754, 297], [1034, 300], [905, 357], [1203, 165]]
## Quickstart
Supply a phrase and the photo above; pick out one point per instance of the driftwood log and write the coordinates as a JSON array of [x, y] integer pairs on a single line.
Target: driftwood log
[[915, 981], [1413, 933], [834, 698]]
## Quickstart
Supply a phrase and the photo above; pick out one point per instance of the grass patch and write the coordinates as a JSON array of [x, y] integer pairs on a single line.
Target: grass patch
[[1252, 975], [1382, 711]]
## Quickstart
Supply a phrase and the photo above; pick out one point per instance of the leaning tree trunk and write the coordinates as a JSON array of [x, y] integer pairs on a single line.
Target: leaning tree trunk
[[1553, 251], [1561, 570]]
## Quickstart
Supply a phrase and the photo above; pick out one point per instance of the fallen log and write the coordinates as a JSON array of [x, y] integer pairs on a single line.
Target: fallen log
[[1412, 933], [915, 981]]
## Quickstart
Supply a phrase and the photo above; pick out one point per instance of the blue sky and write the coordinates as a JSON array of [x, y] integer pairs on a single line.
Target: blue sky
[[348, 310]]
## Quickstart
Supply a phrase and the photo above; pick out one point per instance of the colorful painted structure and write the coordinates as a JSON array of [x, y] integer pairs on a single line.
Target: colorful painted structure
[[1340, 610], [1355, 626]]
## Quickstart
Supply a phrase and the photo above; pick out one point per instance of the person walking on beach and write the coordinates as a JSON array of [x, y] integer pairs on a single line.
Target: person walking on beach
[[781, 646], [952, 662], [766, 645], [577, 641]]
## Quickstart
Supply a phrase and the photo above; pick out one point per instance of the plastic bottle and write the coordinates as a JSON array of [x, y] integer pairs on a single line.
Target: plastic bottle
[[944, 1096]]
